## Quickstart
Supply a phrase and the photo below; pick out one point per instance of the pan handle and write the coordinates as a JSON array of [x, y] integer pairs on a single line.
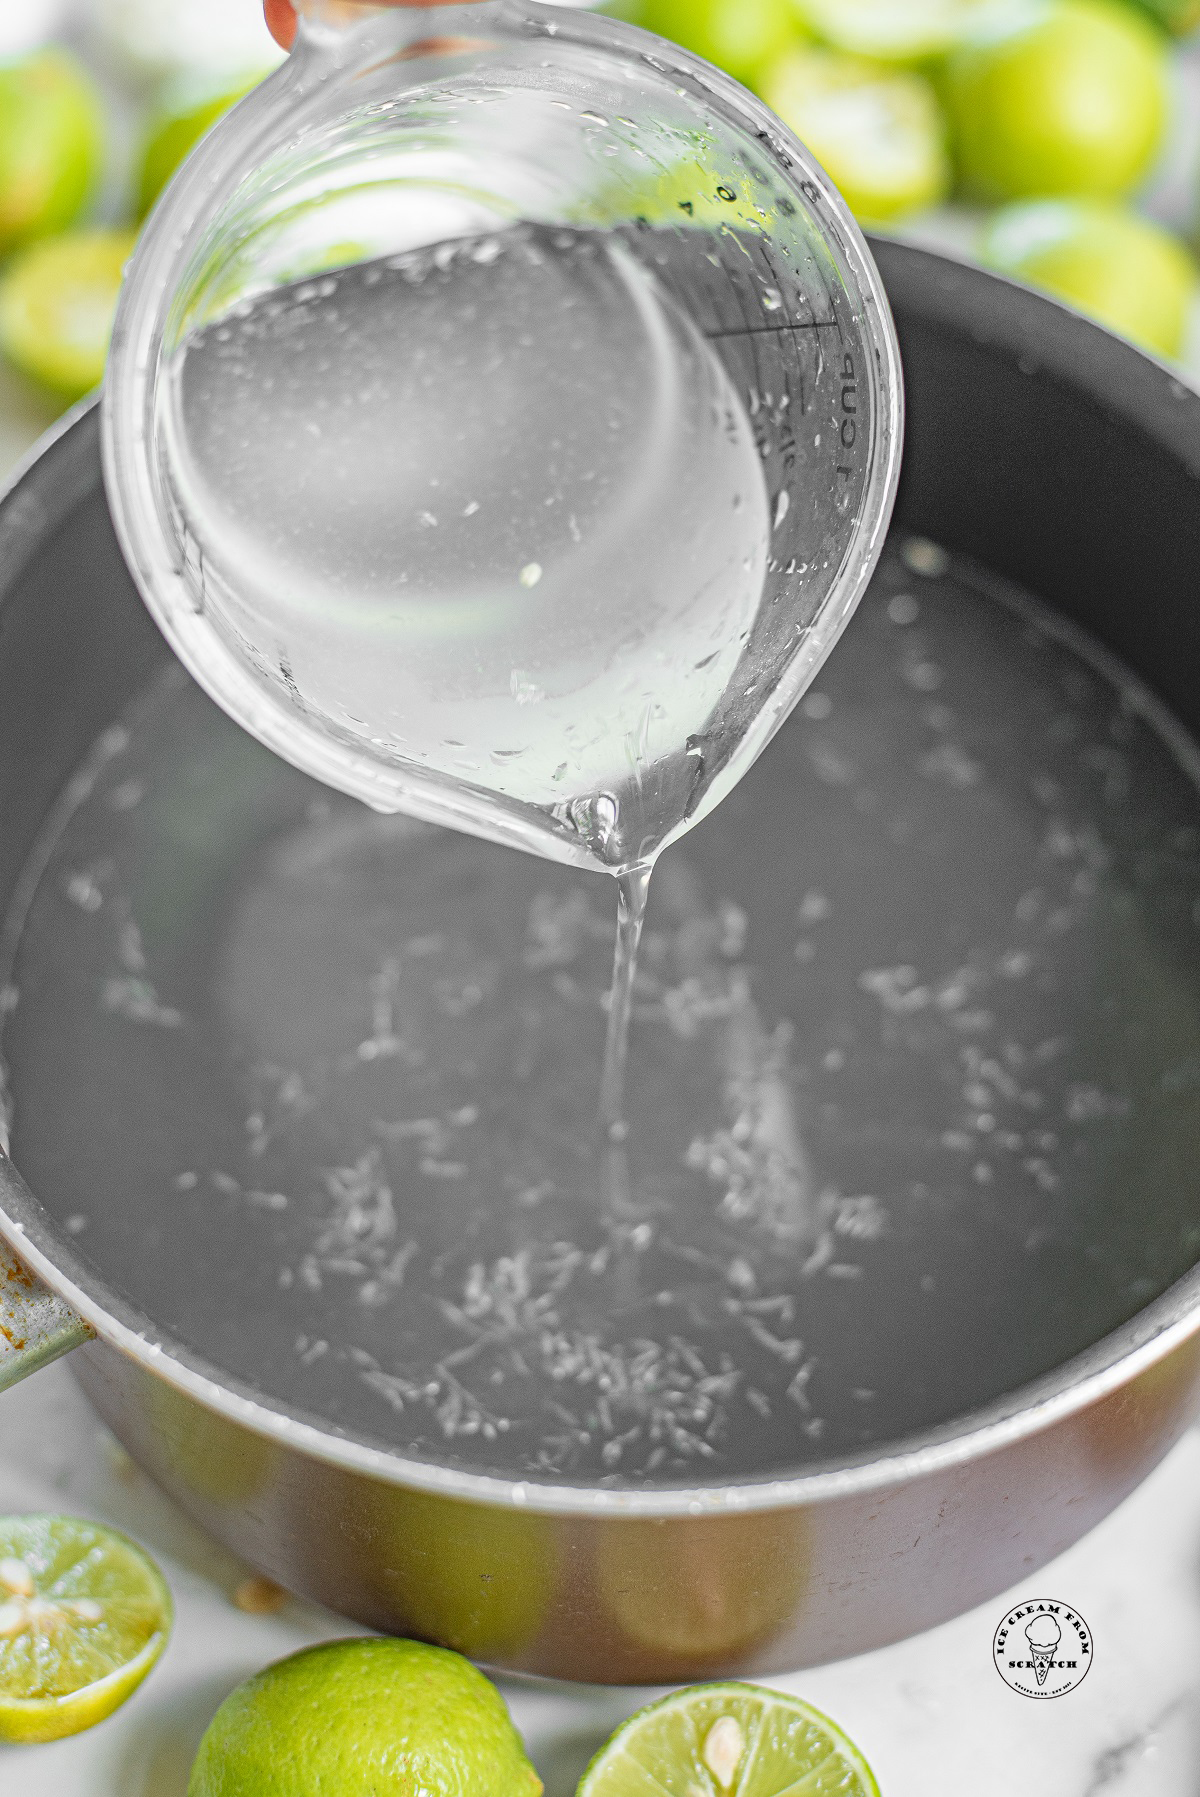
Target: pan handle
[[35, 1325]]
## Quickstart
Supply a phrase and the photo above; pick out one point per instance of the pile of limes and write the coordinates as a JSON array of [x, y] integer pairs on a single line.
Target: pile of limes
[[1054, 113], [65, 234], [1051, 114]]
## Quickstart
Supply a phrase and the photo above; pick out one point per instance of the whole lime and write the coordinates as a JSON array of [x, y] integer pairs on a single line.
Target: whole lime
[[1119, 268], [1058, 97], [738, 35], [58, 299], [361, 1719], [51, 145], [877, 132], [185, 113]]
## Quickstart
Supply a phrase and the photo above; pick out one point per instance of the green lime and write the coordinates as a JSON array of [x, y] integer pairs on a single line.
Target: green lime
[[1059, 97], [361, 1719], [893, 30], [184, 115], [1119, 268], [728, 1738], [51, 145], [57, 301], [738, 35], [877, 132], [84, 1615]]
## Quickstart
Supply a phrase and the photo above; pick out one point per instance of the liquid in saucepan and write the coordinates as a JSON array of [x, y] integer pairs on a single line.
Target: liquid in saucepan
[[913, 1071]]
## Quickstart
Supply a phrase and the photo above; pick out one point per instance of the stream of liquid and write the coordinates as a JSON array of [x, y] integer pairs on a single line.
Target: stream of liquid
[[633, 895]]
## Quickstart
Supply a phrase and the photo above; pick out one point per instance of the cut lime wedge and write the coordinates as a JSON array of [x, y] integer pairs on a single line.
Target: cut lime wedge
[[878, 132], [84, 1615], [729, 1741], [57, 303]]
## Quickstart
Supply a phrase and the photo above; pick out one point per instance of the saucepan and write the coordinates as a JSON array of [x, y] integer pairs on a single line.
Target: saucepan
[[1053, 455]]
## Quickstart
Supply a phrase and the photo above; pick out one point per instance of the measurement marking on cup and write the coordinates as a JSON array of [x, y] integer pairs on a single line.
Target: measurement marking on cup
[[849, 425], [774, 330]]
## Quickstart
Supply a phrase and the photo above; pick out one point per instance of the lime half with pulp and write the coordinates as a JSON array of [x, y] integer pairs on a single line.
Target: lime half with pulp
[[58, 299], [84, 1615], [733, 1739], [876, 131]]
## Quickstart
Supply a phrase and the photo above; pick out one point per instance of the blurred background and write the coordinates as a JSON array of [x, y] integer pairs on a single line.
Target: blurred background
[[1055, 140]]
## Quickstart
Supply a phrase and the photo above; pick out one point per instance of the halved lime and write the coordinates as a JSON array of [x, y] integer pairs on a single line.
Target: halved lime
[[51, 144], [186, 112], [364, 1718], [893, 30], [878, 132], [57, 302], [740, 1740], [1120, 268], [84, 1615]]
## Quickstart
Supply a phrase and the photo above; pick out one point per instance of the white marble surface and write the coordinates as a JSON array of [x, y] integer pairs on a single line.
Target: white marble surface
[[931, 1714]]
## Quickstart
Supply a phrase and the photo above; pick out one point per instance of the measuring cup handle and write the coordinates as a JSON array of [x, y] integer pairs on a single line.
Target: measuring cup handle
[[36, 1327]]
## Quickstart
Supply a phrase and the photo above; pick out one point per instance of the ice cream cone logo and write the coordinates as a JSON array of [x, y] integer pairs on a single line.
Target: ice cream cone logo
[[1042, 1648], [1043, 1635]]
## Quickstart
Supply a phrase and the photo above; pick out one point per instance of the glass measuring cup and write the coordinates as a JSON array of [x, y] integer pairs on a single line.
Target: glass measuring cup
[[503, 421]]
